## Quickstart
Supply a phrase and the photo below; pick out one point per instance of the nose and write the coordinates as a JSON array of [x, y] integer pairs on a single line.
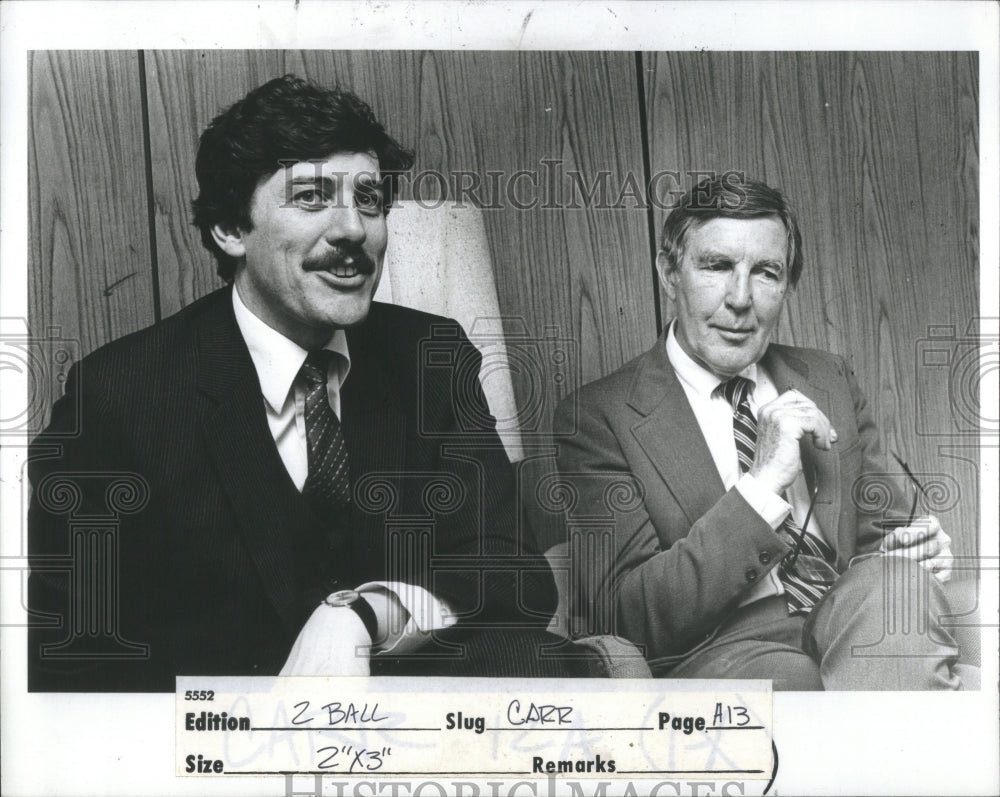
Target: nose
[[738, 296], [346, 224]]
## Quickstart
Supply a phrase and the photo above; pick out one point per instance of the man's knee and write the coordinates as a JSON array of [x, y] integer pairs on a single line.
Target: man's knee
[[896, 586], [884, 615]]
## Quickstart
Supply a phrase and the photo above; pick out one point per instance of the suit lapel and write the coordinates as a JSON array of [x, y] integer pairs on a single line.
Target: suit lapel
[[669, 434], [267, 506], [376, 429], [374, 425], [788, 371]]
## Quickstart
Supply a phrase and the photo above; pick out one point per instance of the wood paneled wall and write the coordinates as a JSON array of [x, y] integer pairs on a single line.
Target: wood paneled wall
[[878, 151], [91, 272]]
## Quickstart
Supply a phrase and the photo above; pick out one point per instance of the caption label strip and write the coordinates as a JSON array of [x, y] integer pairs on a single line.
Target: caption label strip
[[475, 727]]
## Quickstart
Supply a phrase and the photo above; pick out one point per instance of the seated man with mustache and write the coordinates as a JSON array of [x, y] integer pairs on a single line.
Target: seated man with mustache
[[271, 434]]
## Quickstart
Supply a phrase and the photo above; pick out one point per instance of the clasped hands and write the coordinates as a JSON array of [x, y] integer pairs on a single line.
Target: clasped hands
[[782, 423]]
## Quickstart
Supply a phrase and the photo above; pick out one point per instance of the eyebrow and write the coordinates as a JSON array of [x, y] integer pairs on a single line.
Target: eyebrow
[[365, 178], [706, 257], [716, 256], [312, 179]]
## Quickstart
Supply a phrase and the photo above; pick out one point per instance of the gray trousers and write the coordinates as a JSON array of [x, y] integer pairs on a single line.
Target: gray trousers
[[878, 628]]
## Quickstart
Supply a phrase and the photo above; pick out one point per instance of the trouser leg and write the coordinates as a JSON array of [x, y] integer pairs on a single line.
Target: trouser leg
[[760, 641], [879, 628]]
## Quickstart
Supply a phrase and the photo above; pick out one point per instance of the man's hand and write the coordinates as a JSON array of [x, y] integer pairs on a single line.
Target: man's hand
[[780, 425], [333, 641], [924, 541]]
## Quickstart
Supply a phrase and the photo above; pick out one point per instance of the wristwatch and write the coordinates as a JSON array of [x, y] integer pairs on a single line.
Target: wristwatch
[[352, 600]]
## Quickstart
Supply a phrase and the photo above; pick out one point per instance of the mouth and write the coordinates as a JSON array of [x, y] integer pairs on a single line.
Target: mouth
[[344, 278], [342, 270], [734, 334]]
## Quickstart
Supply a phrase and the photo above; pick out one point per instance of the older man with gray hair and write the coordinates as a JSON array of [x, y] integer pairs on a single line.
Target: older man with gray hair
[[746, 556]]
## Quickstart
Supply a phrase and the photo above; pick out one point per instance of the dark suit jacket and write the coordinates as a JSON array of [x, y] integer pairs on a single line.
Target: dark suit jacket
[[685, 552], [219, 565]]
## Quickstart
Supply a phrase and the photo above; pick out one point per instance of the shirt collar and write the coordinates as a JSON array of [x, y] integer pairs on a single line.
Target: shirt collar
[[278, 359], [694, 375]]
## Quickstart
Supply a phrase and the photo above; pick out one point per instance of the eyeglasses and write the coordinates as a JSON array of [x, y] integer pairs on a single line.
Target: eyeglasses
[[790, 560], [808, 568], [916, 483]]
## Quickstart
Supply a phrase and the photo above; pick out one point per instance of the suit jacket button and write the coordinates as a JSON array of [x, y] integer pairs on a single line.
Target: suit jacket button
[[765, 558], [751, 574]]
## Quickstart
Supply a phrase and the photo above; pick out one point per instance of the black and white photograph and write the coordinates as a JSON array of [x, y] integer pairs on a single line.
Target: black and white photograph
[[631, 349]]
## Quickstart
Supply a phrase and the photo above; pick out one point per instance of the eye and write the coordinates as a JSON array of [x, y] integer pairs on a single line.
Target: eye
[[771, 273], [719, 265], [311, 199], [369, 199]]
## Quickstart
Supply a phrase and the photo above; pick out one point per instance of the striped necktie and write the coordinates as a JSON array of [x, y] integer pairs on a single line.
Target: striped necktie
[[811, 575], [328, 483]]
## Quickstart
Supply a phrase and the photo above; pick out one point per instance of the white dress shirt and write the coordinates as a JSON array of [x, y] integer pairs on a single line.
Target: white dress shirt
[[715, 418], [278, 361]]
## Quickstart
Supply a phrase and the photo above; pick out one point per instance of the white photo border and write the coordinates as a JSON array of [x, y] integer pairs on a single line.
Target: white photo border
[[870, 743]]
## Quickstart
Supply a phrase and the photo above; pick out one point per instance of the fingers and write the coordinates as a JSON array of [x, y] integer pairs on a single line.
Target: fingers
[[924, 542], [781, 424], [914, 542], [940, 565], [795, 414], [935, 527]]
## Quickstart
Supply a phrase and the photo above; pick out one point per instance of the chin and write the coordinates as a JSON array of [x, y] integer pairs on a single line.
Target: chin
[[730, 367], [351, 317]]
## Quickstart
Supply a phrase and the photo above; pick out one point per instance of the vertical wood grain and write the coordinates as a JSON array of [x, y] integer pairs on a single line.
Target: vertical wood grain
[[186, 90], [878, 152], [575, 270], [577, 277], [90, 273], [566, 268]]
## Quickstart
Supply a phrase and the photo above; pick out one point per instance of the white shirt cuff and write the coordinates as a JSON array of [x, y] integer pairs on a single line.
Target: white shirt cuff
[[770, 506], [426, 614]]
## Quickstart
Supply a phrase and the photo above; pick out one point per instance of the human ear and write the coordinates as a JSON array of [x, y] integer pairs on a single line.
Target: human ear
[[668, 278], [229, 240]]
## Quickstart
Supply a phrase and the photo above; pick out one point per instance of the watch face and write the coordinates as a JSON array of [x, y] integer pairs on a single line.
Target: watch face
[[344, 597]]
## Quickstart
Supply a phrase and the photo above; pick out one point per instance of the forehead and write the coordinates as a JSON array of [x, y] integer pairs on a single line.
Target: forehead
[[336, 167], [761, 237]]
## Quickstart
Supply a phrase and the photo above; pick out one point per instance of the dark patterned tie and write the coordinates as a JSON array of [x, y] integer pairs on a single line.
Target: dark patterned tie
[[328, 484], [811, 574]]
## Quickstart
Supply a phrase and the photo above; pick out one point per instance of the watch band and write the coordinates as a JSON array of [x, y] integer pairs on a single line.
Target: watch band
[[352, 599]]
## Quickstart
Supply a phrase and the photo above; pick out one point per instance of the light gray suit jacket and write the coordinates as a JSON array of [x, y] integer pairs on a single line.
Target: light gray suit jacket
[[680, 554]]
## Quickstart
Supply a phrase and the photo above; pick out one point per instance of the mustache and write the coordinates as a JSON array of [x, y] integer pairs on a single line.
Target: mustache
[[341, 255]]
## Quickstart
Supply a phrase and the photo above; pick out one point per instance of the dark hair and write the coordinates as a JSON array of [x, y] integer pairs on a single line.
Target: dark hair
[[730, 196], [286, 119]]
